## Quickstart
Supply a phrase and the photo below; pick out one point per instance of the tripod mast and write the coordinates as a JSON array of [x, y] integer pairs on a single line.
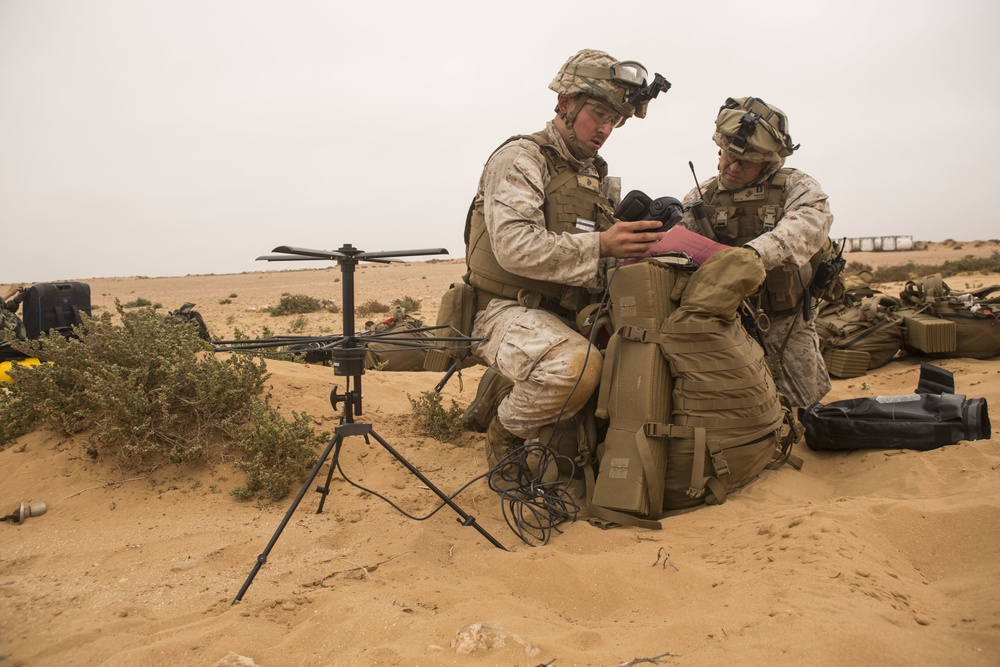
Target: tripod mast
[[349, 361]]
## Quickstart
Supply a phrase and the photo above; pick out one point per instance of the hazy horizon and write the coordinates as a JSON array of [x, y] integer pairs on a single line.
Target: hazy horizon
[[154, 138]]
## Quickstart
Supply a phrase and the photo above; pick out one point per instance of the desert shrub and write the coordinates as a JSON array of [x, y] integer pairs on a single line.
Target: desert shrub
[[298, 324], [854, 268], [139, 302], [371, 307], [147, 391], [275, 453], [433, 419], [901, 272], [410, 304], [913, 271], [970, 264], [332, 307], [295, 304]]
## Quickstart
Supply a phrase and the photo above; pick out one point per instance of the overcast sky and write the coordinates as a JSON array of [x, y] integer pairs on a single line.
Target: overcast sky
[[169, 137]]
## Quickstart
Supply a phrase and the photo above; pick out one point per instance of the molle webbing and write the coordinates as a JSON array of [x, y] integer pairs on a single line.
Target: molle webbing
[[857, 338], [724, 396], [569, 196], [739, 216], [691, 403]]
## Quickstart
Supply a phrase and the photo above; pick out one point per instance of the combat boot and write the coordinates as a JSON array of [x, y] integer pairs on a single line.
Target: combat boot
[[499, 442]]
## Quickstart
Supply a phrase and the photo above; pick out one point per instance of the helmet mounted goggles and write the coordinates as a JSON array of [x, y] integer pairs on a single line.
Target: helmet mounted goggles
[[628, 73]]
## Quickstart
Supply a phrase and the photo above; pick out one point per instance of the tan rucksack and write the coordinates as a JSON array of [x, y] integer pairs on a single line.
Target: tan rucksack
[[694, 413], [942, 322], [858, 337], [398, 343]]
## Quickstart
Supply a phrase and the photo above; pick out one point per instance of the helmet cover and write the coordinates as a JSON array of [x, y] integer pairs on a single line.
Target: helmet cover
[[753, 130], [595, 74]]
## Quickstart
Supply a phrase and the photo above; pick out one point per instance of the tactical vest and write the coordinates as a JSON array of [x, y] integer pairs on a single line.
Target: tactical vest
[[573, 202], [738, 217]]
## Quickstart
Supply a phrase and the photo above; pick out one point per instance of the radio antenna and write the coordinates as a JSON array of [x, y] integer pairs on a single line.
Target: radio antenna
[[696, 183]]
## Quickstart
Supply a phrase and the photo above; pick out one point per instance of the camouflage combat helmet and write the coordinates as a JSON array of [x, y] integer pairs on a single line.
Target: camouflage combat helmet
[[753, 130], [599, 76]]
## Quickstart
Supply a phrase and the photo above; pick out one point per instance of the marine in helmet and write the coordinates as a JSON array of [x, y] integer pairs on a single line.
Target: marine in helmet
[[539, 236], [783, 215]]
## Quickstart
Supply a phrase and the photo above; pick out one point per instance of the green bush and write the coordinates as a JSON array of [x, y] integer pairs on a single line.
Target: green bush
[[433, 419], [139, 302], [148, 391], [295, 304], [408, 303], [371, 307]]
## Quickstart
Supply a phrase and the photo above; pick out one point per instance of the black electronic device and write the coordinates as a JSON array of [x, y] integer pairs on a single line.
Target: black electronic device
[[637, 205]]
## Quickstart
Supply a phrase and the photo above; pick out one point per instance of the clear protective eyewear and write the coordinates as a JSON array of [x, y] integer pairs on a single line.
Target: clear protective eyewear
[[603, 114]]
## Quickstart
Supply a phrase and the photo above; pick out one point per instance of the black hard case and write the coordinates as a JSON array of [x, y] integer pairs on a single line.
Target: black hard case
[[58, 306]]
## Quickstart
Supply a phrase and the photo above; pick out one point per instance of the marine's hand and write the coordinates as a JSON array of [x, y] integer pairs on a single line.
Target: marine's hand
[[14, 289], [628, 239]]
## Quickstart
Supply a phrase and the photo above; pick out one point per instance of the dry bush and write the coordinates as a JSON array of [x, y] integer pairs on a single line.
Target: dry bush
[[147, 392]]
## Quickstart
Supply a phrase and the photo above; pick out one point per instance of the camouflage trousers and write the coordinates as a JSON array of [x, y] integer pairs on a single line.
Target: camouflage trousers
[[799, 371], [546, 359]]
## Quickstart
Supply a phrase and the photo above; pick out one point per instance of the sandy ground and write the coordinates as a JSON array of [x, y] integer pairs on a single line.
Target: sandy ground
[[870, 557]]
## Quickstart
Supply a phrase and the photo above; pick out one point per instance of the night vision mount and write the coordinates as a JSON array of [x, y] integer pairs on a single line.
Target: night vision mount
[[347, 352], [649, 91]]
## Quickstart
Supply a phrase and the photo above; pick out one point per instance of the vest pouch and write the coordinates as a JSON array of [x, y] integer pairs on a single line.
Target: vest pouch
[[783, 290], [458, 311]]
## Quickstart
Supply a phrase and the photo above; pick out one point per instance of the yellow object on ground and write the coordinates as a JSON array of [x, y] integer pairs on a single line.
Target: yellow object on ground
[[6, 366]]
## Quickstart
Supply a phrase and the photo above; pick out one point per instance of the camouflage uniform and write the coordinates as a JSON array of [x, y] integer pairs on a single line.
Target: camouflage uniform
[[533, 246], [794, 358], [8, 319], [540, 351]]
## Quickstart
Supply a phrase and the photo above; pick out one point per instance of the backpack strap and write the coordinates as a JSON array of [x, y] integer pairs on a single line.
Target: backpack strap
[[612, 356]]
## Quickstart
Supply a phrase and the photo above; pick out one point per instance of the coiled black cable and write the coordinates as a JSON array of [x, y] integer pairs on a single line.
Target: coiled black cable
[[534, 499]]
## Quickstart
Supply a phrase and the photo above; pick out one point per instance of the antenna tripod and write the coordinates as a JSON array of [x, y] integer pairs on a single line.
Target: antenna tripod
[[349, 362]]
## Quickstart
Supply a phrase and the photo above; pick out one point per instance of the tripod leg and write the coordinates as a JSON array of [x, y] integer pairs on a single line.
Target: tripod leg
[[324, 490], [334, 446], [467, 520]]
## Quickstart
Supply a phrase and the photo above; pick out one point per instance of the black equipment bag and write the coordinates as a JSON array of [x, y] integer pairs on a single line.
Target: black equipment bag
[[932, 417], [57, 306]]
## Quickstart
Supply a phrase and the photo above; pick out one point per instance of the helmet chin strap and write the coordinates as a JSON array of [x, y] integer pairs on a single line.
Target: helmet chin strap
[[569, 120]]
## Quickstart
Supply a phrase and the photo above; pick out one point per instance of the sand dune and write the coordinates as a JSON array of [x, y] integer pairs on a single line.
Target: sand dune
[[870, 557]]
